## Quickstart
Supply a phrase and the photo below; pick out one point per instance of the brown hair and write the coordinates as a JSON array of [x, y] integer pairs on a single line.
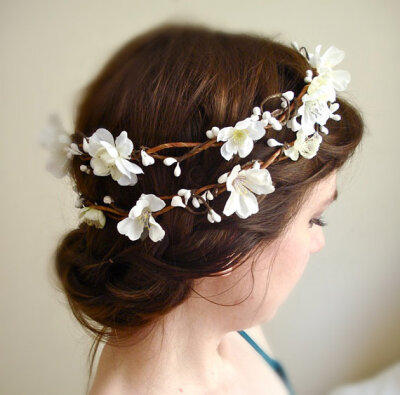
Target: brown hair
[[173, 83]]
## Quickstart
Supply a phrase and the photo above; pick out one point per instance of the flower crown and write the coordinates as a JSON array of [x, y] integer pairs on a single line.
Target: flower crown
[[314, 105]]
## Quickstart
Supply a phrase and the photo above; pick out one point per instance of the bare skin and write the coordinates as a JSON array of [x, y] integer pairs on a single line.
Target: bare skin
[[200, 351]]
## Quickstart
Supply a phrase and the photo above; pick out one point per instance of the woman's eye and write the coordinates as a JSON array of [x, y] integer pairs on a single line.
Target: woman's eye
[[317, 221]]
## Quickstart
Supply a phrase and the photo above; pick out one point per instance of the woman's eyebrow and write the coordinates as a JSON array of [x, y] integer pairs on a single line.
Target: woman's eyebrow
[[331, 199]]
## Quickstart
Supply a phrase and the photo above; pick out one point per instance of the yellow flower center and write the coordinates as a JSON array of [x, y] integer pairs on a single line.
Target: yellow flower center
[[239, 136]]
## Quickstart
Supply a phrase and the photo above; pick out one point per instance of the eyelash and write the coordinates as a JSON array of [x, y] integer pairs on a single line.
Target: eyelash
[[318, 221]]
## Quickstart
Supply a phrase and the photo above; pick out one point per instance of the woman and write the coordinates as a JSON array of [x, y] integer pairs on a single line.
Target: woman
[[175, 295]]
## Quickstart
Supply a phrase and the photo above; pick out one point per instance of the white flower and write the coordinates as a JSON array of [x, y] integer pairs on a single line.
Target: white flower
[[55, 139], [240, 138], [241, 184], [112, 158], [147, 160], [92, 217], [324, 64], [304, 145], [315, 109], [140, 217]]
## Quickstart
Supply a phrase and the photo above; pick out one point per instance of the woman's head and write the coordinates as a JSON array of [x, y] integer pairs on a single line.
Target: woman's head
[[172, 84]]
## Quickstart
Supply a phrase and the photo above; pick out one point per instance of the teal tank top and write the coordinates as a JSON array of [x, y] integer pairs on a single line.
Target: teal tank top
[[272, 362]]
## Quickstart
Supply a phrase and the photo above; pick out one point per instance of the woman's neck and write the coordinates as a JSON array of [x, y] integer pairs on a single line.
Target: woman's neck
[[186, 351]]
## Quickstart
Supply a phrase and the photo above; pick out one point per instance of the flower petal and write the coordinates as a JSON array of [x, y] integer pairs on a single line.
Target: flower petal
[[99, 167], [137, 210], [332, 57], [310, 147], [58, 165], [244, 124], [155, 203], [225, 133], [231, 204], [102, 134], [115, 173], [124, 145], [257, 130], [126, 181], [132, 228], [121, 166], [232, 175], [340, 79], [292, 153], [131, 167], [258, 181], [247, 204], [226, 154], [111, 150], [246, 147], [156, 232]]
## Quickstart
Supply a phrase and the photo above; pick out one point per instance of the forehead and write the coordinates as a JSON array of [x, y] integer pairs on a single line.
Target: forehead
[[324, 191]]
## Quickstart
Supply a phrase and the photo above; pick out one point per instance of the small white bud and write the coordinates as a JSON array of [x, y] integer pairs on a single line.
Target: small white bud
[[186, 193], [257, 111], [283, 104], [177, 202], [182, 191], [266, 115], [309, 76], [147, 160], [336, 117], [222, 179], [107, 199], [324, 129], [210, 134], [88, 171], [209, 195], [273, 143], [177, 170], [215, 130], [169, 161], [276, 125], [216, 217], [83, 168], [334, 106], [195, 202], [254, 117], [289, 95], [210, 217]]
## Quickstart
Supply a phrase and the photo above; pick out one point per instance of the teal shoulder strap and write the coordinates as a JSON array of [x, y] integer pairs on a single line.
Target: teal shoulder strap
[[272, 362]]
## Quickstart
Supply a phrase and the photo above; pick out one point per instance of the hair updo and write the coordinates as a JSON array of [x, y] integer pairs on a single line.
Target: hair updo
[[173, 83]]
